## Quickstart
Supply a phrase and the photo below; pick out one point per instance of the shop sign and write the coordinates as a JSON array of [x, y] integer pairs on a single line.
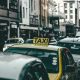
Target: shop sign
[[3, 24]]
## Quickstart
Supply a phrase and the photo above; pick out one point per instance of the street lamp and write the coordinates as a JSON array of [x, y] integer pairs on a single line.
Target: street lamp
[[39, 18], [77, 14]]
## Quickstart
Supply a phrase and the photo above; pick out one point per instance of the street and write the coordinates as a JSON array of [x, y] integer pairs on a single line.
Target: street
[[39, 40]]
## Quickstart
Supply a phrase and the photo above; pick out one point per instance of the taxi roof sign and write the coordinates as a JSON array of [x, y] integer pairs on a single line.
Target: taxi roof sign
[[40, 41]]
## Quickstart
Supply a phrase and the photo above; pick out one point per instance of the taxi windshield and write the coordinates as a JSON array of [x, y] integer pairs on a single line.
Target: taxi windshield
[[48, 57]]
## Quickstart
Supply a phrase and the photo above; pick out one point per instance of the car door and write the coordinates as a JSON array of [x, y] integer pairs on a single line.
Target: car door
[[67, 59]]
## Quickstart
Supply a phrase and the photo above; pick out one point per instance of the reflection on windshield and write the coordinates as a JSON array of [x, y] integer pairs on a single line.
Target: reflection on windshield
[[73, 47], [49, 58]]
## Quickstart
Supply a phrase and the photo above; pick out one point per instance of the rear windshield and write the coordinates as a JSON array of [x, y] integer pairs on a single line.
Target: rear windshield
[[73, 47], [49, 57]]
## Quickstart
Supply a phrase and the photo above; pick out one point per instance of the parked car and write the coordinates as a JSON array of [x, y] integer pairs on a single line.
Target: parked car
[[73, 44], [12, 41], [53, 42], [58, 60], [78, 34], [30, 41], [19, 67]]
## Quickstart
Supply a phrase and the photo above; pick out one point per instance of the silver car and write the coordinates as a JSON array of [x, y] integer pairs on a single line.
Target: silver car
[[18, 67]]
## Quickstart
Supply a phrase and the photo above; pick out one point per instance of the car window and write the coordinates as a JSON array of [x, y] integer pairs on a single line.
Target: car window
[[64, 44], [70, 58], [67, 58], [75, 49], [49, 57], [16, 50]]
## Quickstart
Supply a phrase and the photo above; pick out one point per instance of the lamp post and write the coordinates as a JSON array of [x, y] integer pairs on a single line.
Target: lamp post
[[9, 21], [39, 18], [77, 14]]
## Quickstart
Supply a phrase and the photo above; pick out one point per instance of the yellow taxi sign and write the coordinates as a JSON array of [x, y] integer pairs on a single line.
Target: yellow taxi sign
[[40, 41]]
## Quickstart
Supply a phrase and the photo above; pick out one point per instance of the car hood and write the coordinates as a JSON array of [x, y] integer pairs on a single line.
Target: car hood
[[11, 65]]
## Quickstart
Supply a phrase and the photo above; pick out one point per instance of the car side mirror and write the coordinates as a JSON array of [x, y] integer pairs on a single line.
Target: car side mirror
[[70, 68]]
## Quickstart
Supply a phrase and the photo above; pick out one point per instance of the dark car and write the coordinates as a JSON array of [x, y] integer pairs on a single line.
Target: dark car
[[29, 41], [73, 44]]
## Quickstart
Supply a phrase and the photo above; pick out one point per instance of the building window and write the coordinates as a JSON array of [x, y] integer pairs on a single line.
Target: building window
[[71, 11], [65, 5], [13, 4], [31, 5], [71, 21], [34, 4], [71, 16], [26, 12], [65, 11], [20, 11], [71, 5], [3, 3], [23, 12], [66, 16]]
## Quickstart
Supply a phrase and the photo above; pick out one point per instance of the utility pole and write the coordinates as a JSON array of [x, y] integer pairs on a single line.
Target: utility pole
[[9, 21], [39, 18], [77, 14]]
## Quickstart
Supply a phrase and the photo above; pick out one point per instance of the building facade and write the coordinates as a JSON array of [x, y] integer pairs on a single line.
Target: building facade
[[69, 10], [9, 18], [33, 17], [39, 14], [58, 16], [24, 18], [72, 12]]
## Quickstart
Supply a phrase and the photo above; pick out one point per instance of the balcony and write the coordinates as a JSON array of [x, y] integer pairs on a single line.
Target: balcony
[[69, 0], [4, 12], [9, 10], [34, 21], [8, 13]]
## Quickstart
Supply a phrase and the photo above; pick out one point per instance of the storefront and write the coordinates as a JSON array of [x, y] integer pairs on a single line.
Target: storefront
[[28, 32], [9, 16]]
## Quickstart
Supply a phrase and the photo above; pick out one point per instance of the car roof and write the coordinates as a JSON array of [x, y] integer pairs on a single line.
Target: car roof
[[49, 47], [12, 57], [14, 38], [70, 40]]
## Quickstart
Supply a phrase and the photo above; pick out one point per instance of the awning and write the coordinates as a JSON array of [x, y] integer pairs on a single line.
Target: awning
[[60, 16], [29, 28], [67, 23]]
